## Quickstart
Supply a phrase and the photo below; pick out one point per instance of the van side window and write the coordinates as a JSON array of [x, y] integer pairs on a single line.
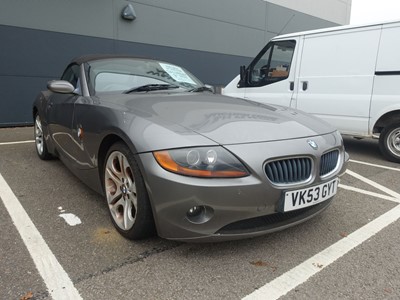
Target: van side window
[[272, 64]]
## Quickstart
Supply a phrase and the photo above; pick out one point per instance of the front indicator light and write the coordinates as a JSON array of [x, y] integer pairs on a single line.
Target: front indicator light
[[211, 162]]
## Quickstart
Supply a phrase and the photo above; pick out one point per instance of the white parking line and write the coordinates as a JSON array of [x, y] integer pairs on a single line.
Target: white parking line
[[300, 274], [14, 143], [374, 184], [288, 281], [376, 195], [374, 165], [56, 279]]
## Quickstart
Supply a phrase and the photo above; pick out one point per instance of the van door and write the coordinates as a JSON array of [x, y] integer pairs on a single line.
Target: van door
[[271, 75], [336, 77], [386, 94]]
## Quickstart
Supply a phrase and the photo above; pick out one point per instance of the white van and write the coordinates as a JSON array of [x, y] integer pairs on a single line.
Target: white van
[[348, 76]]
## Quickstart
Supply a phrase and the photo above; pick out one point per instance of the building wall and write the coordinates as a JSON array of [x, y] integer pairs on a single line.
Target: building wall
[[337, 11], [210, 38]]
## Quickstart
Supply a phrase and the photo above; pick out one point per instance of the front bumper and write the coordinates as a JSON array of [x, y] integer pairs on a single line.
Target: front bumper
[[234, 208]]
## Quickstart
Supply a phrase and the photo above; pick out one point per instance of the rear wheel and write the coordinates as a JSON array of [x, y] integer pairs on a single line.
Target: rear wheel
[[389, 142], [40, 142], [126, 195]]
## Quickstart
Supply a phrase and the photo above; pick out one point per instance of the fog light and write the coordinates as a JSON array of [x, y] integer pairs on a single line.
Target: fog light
[[194, 211], [199, 214]]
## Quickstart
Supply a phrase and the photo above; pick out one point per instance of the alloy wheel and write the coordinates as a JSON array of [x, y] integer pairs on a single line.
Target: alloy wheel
[[38, 135], [120, 188]]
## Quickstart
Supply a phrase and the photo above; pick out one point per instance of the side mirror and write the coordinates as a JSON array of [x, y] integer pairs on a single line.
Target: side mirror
[[211, 88], [60, 86], [242, 72], [242, 80]]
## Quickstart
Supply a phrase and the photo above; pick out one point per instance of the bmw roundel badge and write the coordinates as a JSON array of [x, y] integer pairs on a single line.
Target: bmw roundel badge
[[313, 144]]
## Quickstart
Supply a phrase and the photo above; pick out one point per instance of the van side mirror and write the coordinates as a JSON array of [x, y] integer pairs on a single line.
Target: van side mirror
[[242, 80], [210, 88]]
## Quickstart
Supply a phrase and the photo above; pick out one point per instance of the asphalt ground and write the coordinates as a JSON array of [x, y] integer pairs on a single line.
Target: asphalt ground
[[350, 251]]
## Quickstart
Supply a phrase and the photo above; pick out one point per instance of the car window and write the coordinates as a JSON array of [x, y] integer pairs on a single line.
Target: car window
[[71, 74], [122, 74], [273, 64]]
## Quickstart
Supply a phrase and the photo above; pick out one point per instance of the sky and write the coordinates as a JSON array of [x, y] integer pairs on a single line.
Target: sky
[[369, 11]]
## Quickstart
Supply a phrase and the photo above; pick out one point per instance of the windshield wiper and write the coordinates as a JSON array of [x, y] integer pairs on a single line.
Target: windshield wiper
[[151, 87], [201, 89]]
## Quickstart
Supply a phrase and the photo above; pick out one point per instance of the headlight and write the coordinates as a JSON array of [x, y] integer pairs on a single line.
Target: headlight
[[201, 162]]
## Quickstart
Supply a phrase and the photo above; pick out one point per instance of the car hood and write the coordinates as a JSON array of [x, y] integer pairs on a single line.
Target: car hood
[[223, 120]]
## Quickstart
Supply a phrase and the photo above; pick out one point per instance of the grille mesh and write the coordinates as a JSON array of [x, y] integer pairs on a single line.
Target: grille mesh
[[289, 170], [329, 162]]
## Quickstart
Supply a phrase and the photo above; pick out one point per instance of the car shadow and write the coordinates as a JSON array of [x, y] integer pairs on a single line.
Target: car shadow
[[367, 149]]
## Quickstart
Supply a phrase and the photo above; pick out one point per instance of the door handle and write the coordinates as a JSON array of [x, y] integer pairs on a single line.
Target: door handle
[[291, 85], [304, 85]]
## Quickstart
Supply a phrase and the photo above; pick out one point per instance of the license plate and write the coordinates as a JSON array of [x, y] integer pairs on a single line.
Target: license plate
[[310, 196]]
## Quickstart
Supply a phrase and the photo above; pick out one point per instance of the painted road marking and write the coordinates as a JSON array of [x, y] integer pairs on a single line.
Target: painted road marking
[[374, 165], [374, 184], [71, 219], [56, 279], [14, 143], [283, 284], [60, 285], [354, 189], [288, 281]]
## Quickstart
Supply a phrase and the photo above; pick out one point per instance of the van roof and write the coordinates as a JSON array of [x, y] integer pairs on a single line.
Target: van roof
[[331, 29]]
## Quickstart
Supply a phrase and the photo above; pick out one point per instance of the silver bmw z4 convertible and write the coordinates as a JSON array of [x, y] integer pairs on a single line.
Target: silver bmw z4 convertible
[[172, 158]]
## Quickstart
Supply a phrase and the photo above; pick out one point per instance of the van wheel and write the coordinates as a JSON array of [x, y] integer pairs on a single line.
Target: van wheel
[[389, 142]]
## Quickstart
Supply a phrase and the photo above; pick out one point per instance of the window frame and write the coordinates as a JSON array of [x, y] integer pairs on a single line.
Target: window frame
[[269, 47]]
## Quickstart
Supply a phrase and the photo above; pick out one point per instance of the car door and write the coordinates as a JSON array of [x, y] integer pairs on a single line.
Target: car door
[[86, 122], [60, 111], [271, 75]]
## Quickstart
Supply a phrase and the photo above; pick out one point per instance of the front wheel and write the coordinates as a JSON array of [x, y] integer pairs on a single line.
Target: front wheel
[[389, 142], [40, 142], [126, 194]]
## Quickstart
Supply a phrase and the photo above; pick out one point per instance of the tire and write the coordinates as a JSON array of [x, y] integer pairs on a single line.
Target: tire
[[126, 194], [40, 142], [389, 142]]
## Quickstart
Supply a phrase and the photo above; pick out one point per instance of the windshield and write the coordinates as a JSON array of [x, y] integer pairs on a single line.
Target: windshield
[[129, 75]]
